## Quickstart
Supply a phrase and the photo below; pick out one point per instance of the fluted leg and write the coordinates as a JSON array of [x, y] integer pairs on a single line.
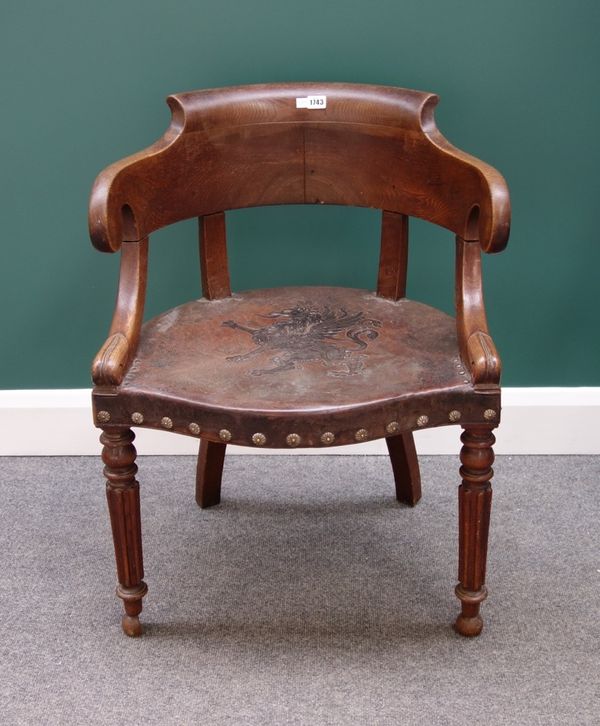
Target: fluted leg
[[474, 504], [209, 472], [405, 466], [122, 493]]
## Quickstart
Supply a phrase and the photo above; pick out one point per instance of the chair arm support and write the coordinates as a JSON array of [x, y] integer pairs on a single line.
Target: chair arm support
[[483, 359], [112, 361], [477, 348]]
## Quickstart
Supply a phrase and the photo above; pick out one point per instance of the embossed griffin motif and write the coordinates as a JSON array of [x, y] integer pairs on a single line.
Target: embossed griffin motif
[[305, 333]]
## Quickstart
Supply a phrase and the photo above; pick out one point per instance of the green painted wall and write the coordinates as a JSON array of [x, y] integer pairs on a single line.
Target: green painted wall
[[83, 84]]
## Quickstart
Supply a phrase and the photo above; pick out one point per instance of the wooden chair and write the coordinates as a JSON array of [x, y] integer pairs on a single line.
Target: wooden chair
[[303, 366]]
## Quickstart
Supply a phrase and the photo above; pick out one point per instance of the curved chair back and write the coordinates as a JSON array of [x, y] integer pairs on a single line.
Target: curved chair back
[[367, 146]]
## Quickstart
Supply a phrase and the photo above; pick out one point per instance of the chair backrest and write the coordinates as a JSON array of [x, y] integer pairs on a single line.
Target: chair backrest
[[359, 145]]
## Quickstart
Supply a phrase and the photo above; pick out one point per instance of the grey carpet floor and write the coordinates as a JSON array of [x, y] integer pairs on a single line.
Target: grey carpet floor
[[309, 596]]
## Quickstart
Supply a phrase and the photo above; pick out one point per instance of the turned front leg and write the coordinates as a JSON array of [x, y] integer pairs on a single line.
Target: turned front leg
[[123, 495], [474, 504]]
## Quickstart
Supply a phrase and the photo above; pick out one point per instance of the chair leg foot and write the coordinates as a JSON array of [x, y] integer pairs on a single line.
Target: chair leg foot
[[469, 623], [209, 473], [132, 603], [131, 626], [474, 505], [405, 466], [468, 627], [123, 496]]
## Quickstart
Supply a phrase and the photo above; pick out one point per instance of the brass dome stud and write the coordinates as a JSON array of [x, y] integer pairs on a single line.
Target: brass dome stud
[[361, 435]]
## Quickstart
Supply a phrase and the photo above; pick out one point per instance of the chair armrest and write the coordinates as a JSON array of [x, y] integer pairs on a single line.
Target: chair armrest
[[113, 359], [477, 348]]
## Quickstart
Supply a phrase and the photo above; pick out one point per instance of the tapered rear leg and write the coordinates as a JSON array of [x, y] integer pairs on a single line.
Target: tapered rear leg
[[123, 496], [405, 466], [209, 472]]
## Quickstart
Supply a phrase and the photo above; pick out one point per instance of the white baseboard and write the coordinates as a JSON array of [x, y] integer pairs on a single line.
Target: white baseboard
[[534, 421]]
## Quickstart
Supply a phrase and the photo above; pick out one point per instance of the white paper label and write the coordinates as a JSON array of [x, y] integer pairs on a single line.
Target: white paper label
[[312, 102]]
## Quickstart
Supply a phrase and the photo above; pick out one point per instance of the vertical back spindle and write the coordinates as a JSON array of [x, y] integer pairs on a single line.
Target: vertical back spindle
[[393, 258], [214, 268]]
